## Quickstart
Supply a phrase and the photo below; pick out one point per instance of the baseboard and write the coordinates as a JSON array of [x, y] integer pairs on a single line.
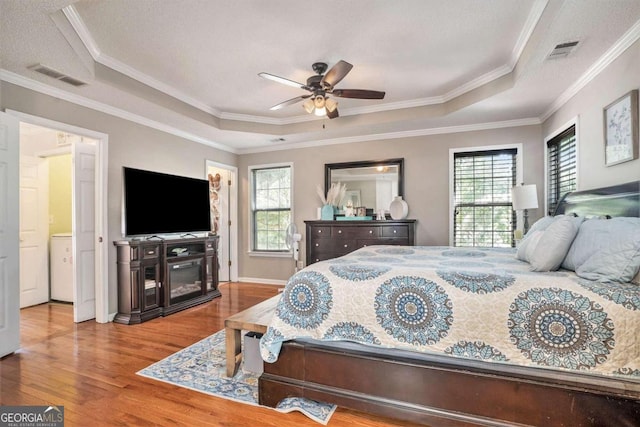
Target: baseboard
[[262, 281]]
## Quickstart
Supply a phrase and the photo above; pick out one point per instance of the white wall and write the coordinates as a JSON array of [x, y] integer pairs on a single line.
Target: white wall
[[426, 185], [426, 164], [617, 79], [130, 144]]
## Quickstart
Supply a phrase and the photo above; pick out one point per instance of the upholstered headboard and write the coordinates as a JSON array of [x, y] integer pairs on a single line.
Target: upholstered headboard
[[614, 201]]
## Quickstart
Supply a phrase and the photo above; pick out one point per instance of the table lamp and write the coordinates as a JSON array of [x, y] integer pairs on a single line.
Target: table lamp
[[524, 197]]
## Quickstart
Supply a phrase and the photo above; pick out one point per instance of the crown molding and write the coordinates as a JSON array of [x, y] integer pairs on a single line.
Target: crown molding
[[396, 135], [10, 77], [523, 39], [87, 39], [631, 36], [34, 85], [532, 21]]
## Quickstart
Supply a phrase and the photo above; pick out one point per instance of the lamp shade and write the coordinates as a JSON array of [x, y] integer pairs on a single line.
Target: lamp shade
[[524, 197]]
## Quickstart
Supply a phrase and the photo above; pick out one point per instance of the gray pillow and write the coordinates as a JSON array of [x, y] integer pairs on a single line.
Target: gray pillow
[[530, 240], [555, 243], [528, 244], [606, 250], [541, 224]]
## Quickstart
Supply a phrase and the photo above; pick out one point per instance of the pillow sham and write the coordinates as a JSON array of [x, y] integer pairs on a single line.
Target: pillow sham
[[606, 250], [541, 224], [530, 240], [554, 243], [528, 244]]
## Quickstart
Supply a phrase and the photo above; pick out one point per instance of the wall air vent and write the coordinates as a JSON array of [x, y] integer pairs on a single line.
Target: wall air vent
[[562, 50], [48, 71]]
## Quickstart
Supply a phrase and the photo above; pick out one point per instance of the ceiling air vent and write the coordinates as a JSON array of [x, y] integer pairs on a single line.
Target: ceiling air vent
[[48, 71], [562, 50]]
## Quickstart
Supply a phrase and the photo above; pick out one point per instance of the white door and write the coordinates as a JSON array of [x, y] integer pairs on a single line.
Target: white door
[[9, 226], [83, 225], [222, 187], [34, 231]]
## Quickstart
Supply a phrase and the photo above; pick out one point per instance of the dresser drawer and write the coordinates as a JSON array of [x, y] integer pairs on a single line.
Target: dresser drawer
[[355, 232], [320, 232], [395, 231], [331, 239], [333, 245], [316, 257], [361, 243]]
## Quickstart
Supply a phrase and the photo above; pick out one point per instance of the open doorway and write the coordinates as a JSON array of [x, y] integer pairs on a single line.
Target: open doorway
[[46, 216], [85, 152], [223, 191]]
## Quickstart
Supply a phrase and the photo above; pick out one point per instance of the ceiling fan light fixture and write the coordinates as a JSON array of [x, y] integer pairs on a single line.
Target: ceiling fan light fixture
[[318, 101], [330, 104], [308, 106], [320, 112]]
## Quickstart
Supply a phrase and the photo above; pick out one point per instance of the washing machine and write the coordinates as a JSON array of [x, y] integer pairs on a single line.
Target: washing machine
[[61, 262]]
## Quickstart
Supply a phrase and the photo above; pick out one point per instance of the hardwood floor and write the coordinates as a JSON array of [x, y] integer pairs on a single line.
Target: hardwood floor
[[90, 369]]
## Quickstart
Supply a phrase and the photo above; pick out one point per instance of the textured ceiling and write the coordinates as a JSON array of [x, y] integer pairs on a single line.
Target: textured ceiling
[[191, 67]]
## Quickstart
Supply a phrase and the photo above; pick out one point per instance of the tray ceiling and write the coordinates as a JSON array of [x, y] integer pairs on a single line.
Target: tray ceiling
[[191, 67]]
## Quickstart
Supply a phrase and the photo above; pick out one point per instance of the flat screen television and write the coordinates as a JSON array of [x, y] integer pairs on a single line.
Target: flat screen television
[[158, 203]]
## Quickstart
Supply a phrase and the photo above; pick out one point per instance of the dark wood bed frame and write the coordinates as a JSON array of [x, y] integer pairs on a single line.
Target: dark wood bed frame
[[441, 391]]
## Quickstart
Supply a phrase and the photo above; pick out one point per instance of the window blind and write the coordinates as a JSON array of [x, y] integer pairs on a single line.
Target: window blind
[[561, 167], [271, 212], [482, 198]]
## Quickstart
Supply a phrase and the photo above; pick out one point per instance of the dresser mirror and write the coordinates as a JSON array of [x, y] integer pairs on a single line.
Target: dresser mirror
[[372, 183]]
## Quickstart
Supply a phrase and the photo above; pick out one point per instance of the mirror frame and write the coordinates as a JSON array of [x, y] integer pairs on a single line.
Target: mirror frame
[[328, 167]]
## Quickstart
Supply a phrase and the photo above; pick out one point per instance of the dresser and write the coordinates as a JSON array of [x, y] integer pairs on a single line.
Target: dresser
[[331, 239]]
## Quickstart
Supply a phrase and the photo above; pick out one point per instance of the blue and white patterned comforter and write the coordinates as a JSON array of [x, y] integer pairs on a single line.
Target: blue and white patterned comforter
[[466, 302]]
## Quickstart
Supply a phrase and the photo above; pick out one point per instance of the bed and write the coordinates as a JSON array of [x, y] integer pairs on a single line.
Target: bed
[[449, 336]]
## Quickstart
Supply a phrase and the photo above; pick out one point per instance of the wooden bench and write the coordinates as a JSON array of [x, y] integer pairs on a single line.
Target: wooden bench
[[253, 319]]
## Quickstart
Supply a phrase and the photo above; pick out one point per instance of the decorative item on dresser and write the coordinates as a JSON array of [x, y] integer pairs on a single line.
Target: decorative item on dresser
[[330, 239], [160, 277]]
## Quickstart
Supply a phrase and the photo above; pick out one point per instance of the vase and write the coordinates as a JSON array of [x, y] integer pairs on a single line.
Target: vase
[[326, 213], [398, 209]]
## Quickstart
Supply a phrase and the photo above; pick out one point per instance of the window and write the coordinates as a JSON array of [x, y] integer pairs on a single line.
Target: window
[[482, 183], [561, 167], [270, 207]]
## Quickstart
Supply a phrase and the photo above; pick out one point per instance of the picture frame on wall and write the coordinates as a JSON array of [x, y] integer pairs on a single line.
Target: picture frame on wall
[[621, 129]]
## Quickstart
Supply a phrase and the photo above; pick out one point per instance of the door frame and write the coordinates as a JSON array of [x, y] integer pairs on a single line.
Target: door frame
[[101, 257], [233, 215]]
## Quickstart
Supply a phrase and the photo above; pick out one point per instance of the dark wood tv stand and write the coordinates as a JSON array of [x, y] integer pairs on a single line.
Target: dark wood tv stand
[[160, 277]]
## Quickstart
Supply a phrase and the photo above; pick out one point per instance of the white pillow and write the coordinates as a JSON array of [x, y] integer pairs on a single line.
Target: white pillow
[[554, 243]]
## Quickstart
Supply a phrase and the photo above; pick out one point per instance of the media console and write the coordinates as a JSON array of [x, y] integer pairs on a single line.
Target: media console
[[159, 277]]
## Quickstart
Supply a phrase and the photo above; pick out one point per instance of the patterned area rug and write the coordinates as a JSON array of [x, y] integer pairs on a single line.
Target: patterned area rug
[[202, 367]]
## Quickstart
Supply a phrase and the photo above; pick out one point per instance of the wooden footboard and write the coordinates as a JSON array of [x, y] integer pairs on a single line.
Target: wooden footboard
[[440, 394]]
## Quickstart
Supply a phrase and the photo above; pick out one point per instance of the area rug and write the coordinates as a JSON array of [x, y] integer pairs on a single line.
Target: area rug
[[202, 367]]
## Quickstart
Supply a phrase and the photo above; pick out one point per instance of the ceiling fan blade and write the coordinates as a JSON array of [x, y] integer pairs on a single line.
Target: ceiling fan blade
[[358, 93], [289, 102], [282, 80], [332, 114], [336, 73]]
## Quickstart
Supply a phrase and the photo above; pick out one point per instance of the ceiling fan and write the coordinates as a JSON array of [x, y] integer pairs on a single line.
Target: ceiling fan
[[321, 85]]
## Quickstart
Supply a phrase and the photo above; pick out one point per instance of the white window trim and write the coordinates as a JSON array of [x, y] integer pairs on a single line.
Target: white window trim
[[573, 122], [250, 169], [453, 151]]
